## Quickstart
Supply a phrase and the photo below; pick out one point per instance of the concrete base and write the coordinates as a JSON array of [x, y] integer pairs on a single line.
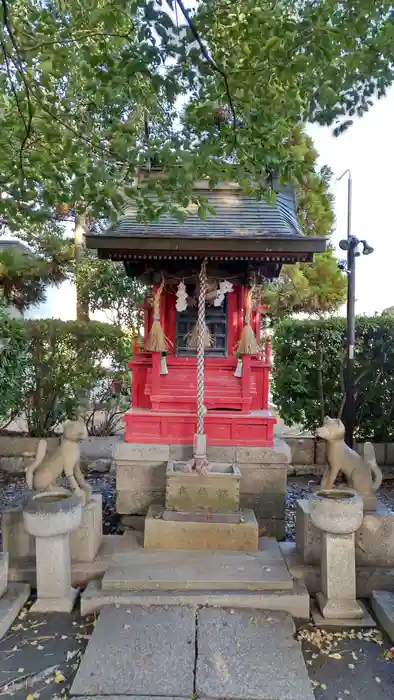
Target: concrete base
[[294, 601], [366, 620], [339, 609], [84, 541], [368, 578], [383, 606], [63, 605], [183, 534], [11, 603], [141, 471], [374, 539]]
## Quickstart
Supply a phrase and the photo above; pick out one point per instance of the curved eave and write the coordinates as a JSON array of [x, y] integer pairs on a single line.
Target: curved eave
[[255, 247]]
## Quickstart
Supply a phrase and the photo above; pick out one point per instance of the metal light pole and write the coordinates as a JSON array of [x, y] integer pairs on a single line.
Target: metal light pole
[[351, 246], [349, 408]]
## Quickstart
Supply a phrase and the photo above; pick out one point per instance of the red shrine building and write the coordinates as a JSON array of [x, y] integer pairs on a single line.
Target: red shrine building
[[244, 244]]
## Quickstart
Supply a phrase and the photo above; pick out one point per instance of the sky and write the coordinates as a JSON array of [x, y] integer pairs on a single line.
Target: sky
[[367, 150]]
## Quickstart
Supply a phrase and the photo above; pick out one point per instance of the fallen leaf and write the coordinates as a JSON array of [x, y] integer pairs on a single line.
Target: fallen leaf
[[335, 656], [377, 679], [323, 686], [352, 667], [20, 670], [71, 654], [59, 678]]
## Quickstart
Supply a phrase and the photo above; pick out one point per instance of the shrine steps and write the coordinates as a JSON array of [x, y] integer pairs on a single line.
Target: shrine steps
[[178, 390], [253, 580], [294, 601], [254, 429]]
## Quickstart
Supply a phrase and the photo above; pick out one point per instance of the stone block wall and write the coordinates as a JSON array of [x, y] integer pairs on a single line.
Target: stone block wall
[[141, 470], [309, 456]]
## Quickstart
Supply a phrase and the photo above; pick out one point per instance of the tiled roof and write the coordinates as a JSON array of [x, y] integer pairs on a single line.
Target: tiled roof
[[236, 215], [14, 245]]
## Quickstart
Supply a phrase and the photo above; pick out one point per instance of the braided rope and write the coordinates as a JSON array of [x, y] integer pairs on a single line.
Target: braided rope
[[201, 349]]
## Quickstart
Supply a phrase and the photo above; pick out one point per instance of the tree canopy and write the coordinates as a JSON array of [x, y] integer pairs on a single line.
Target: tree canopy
[[91, 91]]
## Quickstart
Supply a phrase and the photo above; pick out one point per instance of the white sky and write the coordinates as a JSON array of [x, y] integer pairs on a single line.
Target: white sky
[[367, 149]]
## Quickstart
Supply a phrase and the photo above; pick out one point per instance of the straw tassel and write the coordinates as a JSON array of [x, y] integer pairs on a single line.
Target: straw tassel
[[157, 341], [191, 337], [247, 344]]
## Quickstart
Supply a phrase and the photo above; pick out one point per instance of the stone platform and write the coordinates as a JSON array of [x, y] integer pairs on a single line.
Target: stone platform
[[195, 570], [258, 580], [383, 606], [183, 653], [374, 539]]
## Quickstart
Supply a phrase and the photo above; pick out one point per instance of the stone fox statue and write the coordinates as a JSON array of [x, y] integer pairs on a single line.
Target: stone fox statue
[[46, 469], [362, 473]]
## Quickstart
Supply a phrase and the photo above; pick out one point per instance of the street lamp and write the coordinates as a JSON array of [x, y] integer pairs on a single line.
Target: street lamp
[[351, 245]]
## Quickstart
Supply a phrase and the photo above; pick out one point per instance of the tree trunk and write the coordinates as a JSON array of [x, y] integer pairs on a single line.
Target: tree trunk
[[79, 239]]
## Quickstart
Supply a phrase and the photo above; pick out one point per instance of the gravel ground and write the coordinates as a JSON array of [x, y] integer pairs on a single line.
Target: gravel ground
[[297, 487]]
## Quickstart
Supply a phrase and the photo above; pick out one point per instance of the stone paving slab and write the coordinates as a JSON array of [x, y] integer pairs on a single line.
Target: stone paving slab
[[249, 654], [11, 604], [195, 570], [139, 651], [383, 606]]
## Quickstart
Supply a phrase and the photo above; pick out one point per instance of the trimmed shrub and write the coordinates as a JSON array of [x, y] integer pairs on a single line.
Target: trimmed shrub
[[14, 366], [69, 359], [308, 373]]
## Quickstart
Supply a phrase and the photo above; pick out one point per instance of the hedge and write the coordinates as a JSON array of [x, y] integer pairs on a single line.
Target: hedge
[[307, 377], [64, 361], [14, 366]]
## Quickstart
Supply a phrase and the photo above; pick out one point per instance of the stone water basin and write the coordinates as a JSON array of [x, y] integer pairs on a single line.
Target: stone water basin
[[52, 513], [339, 511], [216, 491]]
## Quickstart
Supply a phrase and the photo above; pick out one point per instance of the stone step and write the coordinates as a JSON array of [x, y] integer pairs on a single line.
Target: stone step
[[185, 534], [177, 652], [184, 570], [295, 601]]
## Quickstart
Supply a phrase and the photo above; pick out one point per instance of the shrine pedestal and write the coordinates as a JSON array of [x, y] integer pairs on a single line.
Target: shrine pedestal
[[85, 541], [172, 530], [141, 478]]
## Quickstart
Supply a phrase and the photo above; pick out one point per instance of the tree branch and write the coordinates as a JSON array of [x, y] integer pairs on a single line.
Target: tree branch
[[18, 65], [213, 64]]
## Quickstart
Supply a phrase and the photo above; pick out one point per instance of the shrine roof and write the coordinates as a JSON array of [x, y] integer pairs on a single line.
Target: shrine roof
[[14, 245], [240, 222], [235, 214]]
